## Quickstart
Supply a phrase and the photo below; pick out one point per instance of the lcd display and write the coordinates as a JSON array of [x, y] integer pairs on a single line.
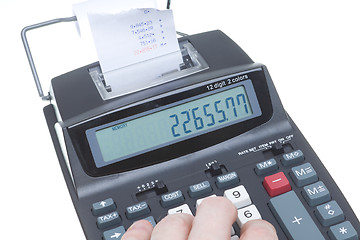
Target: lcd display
[[176, 123]]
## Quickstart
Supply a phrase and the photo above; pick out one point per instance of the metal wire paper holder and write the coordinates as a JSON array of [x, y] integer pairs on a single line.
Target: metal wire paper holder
[[28, 52], [193, 63]]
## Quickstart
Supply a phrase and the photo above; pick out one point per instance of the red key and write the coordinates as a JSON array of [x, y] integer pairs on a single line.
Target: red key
[[276, 184]]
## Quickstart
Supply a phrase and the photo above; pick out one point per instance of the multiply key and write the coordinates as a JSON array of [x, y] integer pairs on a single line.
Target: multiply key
[[343, 231]]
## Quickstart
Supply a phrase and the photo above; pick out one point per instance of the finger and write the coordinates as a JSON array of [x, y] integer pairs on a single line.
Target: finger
[[175, 227], [258, 229], [140, 230], [214, 219]]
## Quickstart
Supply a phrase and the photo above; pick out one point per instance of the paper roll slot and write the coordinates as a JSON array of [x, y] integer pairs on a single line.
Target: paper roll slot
[[193, 63]]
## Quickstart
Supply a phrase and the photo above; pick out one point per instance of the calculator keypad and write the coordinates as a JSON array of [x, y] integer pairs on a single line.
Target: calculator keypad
[[284, 203], [292, 215]]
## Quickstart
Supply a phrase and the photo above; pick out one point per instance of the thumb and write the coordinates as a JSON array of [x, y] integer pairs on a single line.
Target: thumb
[[258, 230]]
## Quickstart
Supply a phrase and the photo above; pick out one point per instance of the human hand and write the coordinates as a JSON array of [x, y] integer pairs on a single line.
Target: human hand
[[213, 221]]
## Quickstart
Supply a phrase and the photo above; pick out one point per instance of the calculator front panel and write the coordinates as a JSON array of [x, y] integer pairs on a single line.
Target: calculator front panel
[[240, 155]]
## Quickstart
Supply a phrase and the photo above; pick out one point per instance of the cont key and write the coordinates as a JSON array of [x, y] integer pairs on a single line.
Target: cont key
[[293, 217]]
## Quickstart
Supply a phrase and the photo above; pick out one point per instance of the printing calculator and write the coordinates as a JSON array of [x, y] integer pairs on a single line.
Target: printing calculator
[[215, 128]]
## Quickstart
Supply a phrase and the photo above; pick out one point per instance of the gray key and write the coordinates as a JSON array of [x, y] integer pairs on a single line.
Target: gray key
[[137, 210], [172, 198], [227, 180], [292, 158], [108, 220], [266, 167], [103, 207], [329, 213], [303, 175], [116, 233], [316, 194], [200, 189], [293, 217], [343, 231]]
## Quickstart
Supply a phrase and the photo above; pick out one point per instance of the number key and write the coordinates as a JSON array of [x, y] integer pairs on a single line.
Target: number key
[[238, 196], [181, 209], [246, 214]]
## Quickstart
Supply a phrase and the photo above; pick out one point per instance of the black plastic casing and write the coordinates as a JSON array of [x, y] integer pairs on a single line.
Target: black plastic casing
[[75, 101]]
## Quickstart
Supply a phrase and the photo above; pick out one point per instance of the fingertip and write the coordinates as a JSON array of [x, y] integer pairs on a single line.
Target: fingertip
[[213, 213], [140, 230], [222, 203], [181, 220], [258, 229], [174, 226]]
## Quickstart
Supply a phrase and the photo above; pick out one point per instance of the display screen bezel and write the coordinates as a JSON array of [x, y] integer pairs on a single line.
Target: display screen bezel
[[82, 147], [97, 150]]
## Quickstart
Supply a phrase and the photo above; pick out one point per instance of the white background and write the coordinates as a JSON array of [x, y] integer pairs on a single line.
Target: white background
[[311, 49]]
